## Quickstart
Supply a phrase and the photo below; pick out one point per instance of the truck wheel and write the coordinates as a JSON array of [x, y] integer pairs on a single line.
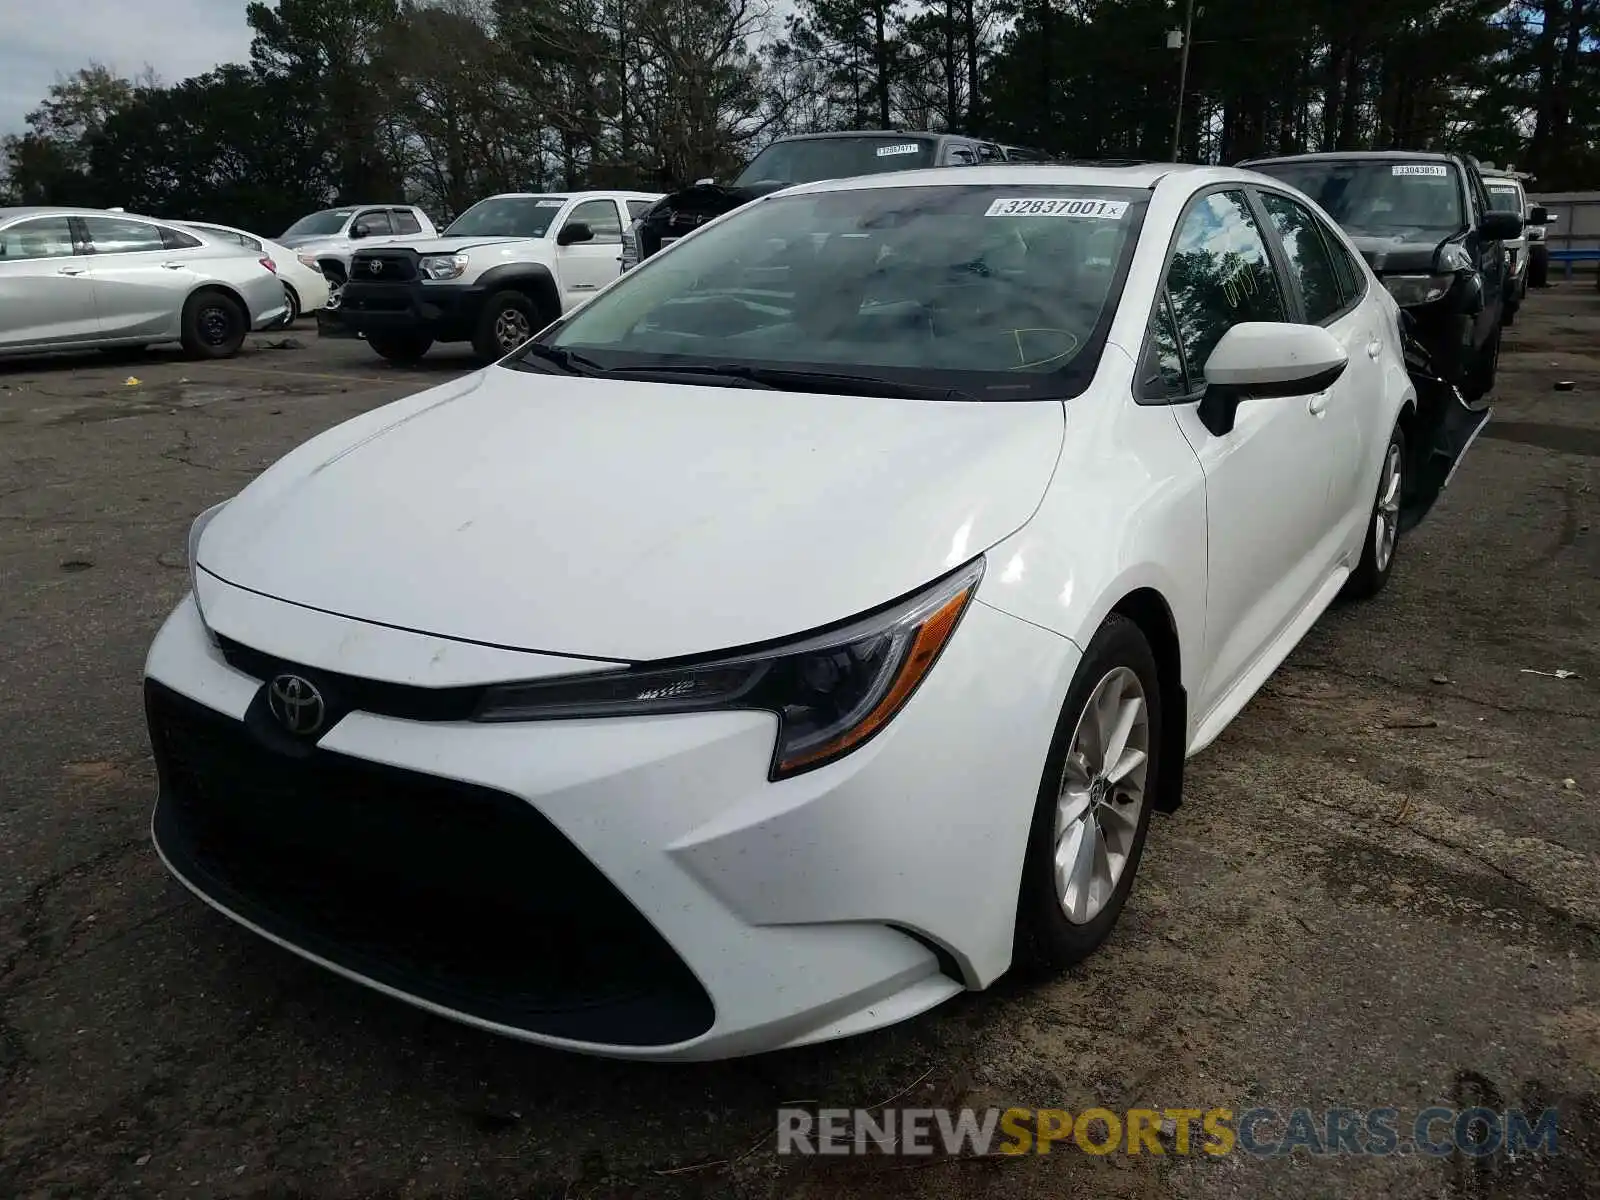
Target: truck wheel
[[508, 320], [402, 349]]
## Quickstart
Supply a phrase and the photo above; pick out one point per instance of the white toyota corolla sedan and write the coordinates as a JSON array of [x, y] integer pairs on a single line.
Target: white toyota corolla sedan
[[805, 629]]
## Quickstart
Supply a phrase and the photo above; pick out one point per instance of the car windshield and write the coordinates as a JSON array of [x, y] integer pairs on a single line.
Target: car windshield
[[997, 291], [320, 224], [1505, 197], [809, 160], [507, 216], [1379, 197]]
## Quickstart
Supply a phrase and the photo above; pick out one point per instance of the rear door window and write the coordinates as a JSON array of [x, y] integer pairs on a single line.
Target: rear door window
[[117, 235], [405, 221], [1309, 260]]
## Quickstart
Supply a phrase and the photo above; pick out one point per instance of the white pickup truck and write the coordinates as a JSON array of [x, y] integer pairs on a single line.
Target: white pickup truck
[[325, 240], [502, 271]]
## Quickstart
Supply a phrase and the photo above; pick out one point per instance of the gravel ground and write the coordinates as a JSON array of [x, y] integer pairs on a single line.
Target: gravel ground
[[1381, 890]]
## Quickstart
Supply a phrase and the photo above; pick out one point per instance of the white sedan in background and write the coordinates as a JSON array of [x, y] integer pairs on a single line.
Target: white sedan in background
[[304, 285], [805, 629]]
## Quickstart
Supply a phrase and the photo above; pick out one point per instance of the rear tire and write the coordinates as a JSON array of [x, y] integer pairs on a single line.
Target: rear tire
[[1381, 545], [214, 325], [509, 319], [1485, 371], [1059, 920], [402, 349], [292, 299]]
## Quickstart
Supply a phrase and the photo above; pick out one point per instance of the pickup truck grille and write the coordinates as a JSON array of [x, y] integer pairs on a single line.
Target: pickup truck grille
[[383, 266]]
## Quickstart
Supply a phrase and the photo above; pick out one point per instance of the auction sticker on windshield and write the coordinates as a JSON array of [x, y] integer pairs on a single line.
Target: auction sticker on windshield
[[901, 148], [1025, 206], [1435, 169], [550, 204]]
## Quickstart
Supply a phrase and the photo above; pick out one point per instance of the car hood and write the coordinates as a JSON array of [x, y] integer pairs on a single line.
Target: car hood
[[630, 520], [1406, 251], [458, 245]]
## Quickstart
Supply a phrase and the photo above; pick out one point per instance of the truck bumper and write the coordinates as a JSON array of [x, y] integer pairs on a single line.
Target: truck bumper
[[444, 312]]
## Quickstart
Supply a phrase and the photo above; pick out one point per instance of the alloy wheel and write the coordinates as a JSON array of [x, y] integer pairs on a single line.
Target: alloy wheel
[[1102, 795], [511, 328], [1386, 517]]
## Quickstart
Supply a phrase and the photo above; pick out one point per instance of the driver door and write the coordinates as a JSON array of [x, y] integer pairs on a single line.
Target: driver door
[[586, 267], [1271, 546]]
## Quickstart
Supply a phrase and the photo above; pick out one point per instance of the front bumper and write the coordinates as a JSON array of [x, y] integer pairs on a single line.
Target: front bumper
[[447, 312], [633, 887]]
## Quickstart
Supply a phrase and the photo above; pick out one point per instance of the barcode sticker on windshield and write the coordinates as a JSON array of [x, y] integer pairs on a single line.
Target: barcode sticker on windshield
[[901, 148], [550, 204], [1024, 206], [1434, 169]]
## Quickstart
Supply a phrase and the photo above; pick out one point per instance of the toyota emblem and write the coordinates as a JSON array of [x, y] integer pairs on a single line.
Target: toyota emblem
[[297, 704], [375, 266]]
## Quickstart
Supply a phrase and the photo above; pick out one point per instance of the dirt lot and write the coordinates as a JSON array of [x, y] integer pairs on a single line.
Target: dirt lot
[[1381, 891]]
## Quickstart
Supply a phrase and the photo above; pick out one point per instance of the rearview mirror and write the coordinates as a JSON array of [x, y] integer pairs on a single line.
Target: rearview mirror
[[1257, 360], [574, 231], [1497, 225]]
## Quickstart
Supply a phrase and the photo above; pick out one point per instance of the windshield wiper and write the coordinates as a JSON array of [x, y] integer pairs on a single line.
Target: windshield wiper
[[804, 381], [565, 360]]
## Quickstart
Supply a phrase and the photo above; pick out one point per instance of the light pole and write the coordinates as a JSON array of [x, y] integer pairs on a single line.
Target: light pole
[[1183, 73]]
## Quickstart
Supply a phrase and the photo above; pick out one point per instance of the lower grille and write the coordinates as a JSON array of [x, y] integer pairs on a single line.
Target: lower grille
[[455, 894]]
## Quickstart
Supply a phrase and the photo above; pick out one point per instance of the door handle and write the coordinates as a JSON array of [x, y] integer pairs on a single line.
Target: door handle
[[1318, 404], [177, 266], [70, 270]]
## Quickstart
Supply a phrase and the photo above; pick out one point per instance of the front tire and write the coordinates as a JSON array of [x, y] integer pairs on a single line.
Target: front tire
[[508, 320], [214, 325], [1093, 810], [402, 349], [1382, 544]]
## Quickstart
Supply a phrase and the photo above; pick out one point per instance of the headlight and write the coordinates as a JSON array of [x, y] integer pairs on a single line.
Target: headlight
[[442, 266], [1410, 290], [309, 260], [195, 530], [832, 691]]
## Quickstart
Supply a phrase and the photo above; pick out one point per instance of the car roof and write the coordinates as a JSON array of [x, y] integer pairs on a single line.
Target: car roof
[[59, 210], [1347, 155], [585, 194], [1141, 175], [869, 133]]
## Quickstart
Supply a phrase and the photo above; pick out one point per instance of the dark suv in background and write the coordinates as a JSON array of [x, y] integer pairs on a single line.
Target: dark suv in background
[[1425, 224], [807, 158]]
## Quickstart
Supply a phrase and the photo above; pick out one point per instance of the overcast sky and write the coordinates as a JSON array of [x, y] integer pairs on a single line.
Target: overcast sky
[[43, 39]]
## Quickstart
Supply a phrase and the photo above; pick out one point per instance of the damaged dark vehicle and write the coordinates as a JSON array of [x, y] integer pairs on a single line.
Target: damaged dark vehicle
[[1425, 225]]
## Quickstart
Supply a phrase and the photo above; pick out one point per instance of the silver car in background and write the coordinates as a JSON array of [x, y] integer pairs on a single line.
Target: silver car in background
[[73, 278]]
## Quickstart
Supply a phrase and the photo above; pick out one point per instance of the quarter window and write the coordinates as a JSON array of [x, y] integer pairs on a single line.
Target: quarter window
[[1220, 276], [174, 239], [1163, 374], [1308, 257], [113, 235], [638, 208], [405, 221], [600, 216], [43, 237]]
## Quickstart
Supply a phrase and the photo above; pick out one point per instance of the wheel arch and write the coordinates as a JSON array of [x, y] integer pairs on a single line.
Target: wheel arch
[[1148, 609], [232, 293], [533, 280]]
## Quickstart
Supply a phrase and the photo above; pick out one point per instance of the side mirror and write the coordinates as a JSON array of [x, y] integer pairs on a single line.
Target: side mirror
[[1540, 215], [1500, 225], [574, 231], [1258, 360], [359, 230], [706, 182]]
